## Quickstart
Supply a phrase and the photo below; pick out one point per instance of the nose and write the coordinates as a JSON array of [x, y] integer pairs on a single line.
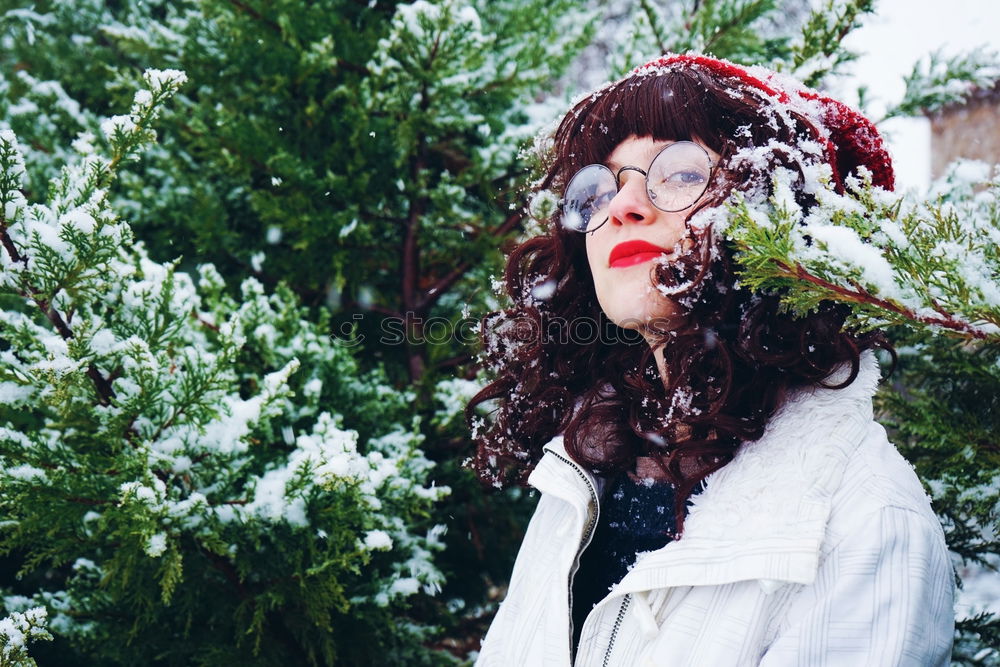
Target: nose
[[631, 204]]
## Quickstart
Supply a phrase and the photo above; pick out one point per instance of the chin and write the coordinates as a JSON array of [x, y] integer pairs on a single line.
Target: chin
[[655, 313]]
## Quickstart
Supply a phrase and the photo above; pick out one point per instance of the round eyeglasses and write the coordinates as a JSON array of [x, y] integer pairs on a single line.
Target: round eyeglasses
[[676, 179]]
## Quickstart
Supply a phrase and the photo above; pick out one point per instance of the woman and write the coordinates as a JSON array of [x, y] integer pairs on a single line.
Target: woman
[[714, 490]]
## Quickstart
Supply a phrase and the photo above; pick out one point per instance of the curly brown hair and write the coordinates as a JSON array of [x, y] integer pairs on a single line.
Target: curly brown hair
[[732, 360]]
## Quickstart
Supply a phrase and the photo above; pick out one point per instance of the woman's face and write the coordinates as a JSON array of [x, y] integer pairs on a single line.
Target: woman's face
[[621, 267]]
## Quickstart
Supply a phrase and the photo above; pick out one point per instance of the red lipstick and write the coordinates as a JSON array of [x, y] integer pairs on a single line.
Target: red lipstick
[[634, 252]]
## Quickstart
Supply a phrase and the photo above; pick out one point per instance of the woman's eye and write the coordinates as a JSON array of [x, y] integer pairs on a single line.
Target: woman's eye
[[686, 177]]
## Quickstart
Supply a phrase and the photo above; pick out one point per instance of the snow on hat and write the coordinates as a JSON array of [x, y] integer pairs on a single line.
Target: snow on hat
[[851, 140]]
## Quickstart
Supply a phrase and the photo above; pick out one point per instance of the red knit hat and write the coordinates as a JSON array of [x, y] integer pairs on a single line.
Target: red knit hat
[[851, 139]]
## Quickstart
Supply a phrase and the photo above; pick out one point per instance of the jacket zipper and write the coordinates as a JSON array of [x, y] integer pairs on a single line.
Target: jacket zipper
[[614, 631], [588, 533]]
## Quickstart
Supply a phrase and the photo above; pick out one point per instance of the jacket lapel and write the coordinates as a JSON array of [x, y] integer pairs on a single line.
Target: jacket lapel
[[761, 517]]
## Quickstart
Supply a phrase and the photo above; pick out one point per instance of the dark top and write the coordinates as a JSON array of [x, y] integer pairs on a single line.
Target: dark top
[[636, 516]]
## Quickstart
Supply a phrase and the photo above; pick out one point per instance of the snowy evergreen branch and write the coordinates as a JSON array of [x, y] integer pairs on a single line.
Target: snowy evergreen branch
[[725, 28], [746, 31], [818, 50], [656, 30], [63, 247], [944, 413], [894, 261], [939, 81], [16, 630], [431, 76], [979, 639], [11, 199]]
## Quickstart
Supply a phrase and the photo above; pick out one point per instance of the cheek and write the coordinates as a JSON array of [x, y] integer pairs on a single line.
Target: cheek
[[595, 252]]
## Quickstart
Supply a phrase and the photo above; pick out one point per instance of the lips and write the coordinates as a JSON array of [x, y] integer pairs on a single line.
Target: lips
[[631, 253]]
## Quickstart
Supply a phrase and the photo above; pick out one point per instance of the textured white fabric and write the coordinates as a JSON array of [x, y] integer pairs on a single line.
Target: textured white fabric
[[814, 546]]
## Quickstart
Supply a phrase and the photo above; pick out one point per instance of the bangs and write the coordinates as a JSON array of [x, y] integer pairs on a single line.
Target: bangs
[[671, 106]]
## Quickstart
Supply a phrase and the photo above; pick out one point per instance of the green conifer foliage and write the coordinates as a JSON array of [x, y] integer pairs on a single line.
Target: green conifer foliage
[[364, 153], [184, 476], [366, 156]]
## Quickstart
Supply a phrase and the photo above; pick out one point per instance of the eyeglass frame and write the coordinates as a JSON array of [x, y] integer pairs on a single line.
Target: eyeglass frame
[[645, 174]]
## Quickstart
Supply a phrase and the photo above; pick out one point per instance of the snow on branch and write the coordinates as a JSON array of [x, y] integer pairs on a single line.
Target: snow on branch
[[727, 28], [893, 259], [818, 50], [55, 251], [938, 81], [16, 630]]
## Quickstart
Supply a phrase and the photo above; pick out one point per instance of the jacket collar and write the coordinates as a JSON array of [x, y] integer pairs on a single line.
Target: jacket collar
[[762, 516]]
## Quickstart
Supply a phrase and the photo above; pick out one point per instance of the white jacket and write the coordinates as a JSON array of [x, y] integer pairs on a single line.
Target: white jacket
[[815, 545]]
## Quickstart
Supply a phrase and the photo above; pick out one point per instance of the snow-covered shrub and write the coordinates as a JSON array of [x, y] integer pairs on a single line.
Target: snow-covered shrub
[[184, 475], [364, 154]]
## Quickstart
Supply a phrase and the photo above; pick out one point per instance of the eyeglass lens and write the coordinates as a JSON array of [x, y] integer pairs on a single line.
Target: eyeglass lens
[[676, 179]]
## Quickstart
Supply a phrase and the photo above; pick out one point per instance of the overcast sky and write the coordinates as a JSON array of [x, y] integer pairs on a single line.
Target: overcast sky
[[900, 34]]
